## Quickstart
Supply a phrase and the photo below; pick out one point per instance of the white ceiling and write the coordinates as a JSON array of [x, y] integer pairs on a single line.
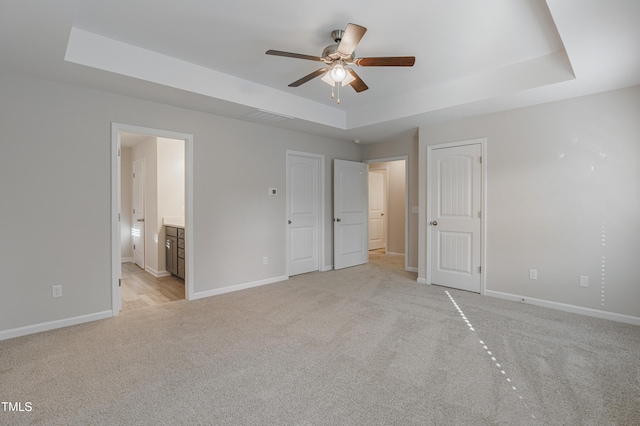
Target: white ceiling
[[472, 57]]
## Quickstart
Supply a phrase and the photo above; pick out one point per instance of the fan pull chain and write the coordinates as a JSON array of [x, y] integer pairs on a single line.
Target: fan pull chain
[[332, 95], [339, 92]]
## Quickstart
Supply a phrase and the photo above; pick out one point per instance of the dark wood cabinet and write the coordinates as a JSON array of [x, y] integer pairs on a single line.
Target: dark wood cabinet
[[174, 247]]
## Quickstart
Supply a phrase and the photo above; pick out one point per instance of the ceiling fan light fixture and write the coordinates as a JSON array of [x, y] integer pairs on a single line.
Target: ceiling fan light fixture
[[337, 72], [347, 80], [341, 54]]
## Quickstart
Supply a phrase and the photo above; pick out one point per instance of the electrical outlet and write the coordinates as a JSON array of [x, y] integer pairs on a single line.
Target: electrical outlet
[[265, 260], [56, 291], [584, 281], [533, 274]]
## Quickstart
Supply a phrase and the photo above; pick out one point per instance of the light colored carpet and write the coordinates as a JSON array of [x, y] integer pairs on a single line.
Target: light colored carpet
[[365, 345]]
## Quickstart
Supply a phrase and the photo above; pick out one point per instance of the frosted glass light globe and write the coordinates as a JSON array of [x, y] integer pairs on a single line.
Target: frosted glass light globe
[[338, 73]]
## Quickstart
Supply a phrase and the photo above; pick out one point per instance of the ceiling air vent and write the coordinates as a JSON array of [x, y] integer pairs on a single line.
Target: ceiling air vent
[[272, 117]]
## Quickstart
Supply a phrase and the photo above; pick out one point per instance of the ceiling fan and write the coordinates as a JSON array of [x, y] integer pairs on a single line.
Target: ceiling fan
[[338, 56]]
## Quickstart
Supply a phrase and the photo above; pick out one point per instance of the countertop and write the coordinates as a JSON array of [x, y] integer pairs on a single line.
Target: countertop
[[176, 222]]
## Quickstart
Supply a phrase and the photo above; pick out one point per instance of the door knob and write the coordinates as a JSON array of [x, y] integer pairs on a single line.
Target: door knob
[[381, 214], [338, 220], [141, 220], [434, 223], [289, 221]]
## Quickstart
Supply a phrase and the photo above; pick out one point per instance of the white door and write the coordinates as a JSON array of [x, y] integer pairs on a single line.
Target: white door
[[377, 206], [117, 296], [455, 206], [137, 227], [350, 210], [303, 191]]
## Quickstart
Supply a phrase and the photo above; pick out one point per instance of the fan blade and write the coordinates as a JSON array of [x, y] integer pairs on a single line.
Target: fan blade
[[292, 55], [390, 61], [308, 77], [350, 39], [357, 84]]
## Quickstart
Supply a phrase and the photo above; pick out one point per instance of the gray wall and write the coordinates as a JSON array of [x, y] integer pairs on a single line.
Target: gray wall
[[563, 197], [55, 172]]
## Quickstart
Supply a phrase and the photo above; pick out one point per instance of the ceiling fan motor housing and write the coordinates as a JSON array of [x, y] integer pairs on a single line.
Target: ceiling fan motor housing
[[331, 51]]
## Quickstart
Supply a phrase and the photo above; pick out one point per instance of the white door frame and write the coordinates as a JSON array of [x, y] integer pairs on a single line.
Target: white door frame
[[116, 267], [321, 195], [404, 158], [425, 216]]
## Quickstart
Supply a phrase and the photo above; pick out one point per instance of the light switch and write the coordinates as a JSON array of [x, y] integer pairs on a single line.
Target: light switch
[[584, 281]]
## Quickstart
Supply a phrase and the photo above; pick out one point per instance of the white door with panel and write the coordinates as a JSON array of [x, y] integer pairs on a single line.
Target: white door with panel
[[377, 207], [350, 211], [117, 296], [455, 221], [137, 227], [303, 192]]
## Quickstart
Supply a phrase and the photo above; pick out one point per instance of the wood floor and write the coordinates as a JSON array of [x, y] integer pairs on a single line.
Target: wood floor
[[141, 289]]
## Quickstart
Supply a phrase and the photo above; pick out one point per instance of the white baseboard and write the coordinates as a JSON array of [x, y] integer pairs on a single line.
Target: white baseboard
[[422, 280], [237, 287], [390, 253], [127, 260], [327, 268], [411, 269], [628, 319], [157, 274], [50, 325]]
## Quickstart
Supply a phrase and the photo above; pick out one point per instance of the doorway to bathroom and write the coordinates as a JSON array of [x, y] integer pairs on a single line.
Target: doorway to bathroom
[[152, 198]]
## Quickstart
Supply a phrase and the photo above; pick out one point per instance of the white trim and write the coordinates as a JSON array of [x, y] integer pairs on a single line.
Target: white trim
[[404, 158], [116, 128], [127, 260], [628, 319], [321, 204], [116, 248], [422, 281], [237, 287], [426, 215], [51, 325], [327, 268], [390, 253], [157, 274]]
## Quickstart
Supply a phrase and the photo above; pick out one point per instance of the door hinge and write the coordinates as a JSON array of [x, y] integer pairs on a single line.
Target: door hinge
[[118, 152], [119, 282], [480, 269], [134, 246], [134, 211], [134, 174], [480, 160], [118, 217], [479, 215]]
